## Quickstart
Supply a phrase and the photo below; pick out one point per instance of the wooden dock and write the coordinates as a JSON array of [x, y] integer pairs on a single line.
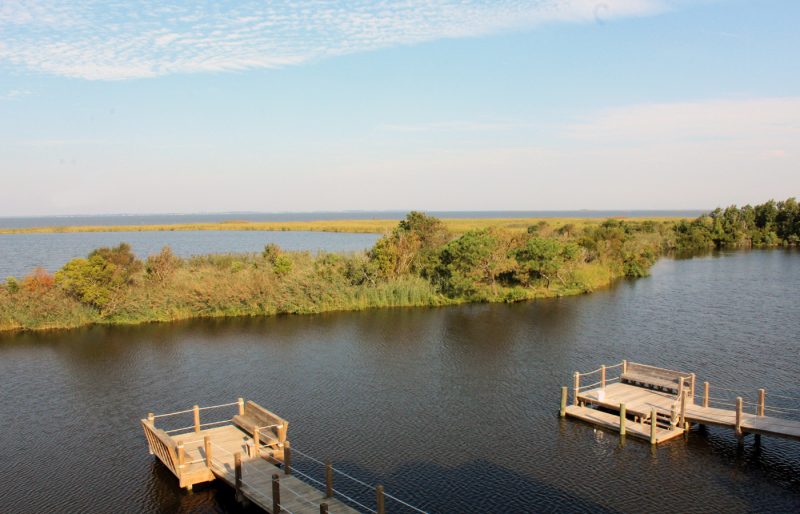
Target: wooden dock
[[250, 453], [659, 404]]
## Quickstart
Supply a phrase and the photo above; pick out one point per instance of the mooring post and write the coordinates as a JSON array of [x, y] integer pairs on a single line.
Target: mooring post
[[328, 480], [576, 387], [276, 494], [739, 416], [256, 442], [653, 425], [196, 410], [381, 509], [705, 394], [240, 401], [603, 376], [207, 444], [691, 388], [287, 457], [622, 415], [237, 465], [181, 457], [681, 385], [762, 400], [624, 366], [683, 408], [323, 508], [564, 394]]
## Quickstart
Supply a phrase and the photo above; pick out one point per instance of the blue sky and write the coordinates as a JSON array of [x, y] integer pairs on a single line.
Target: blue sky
[[468, 105]]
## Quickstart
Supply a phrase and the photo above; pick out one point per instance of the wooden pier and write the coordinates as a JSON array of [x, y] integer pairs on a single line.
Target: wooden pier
[[658, 404], [251, 453]]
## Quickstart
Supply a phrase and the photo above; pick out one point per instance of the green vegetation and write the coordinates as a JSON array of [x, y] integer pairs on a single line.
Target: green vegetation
[[420, 262]]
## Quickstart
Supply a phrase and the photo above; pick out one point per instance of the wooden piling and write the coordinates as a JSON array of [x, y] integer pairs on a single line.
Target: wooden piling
[[240, 401], [653, 425], [576, 388], [693, 379], [681, 386], [564, 394], [762, 400], [705, 394], [287, 457], [151, 418], [323, 508], [624, 366], [237, 465], [196, 411], [738, 427], [207, 444], [276, 494], [328, 480], [256, 442], [379, 500], [622, 415], [603, 376], [682, 420]]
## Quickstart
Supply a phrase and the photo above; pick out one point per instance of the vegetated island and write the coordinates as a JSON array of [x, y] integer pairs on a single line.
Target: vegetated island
[[420, 262]]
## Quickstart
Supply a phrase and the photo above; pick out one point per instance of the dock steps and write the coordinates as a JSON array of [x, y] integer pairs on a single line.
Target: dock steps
[[611, 422]]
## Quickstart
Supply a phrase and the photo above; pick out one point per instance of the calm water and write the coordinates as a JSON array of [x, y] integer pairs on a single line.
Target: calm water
[[452, 408], [21, 253], [159, 219]]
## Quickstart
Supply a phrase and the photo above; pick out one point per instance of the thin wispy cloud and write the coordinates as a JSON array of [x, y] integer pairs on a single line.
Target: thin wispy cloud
[[15, 94], [453, 126], [100, 40]]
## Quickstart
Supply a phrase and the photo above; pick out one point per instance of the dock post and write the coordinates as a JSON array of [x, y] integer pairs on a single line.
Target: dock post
[[603, 376], [181, 457], [622, 414], [576, 387], [240, 401], [672, 416], [237, 463], [739, 416], [681, 386], [682, 420], [762, 397], [151, 418], [691, 387], [564, 394], [287, 457], [256, 442], [705, 394], [196, 410], [207, 444], [276, 494], [380, 508], [624, 366], [323, 508], [328, 479], [653, 426]]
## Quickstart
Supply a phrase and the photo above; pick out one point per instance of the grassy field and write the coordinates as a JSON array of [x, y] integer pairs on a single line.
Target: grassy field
[[455, 225]]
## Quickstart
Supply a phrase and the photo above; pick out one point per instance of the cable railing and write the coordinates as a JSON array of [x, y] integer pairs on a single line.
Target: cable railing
[[196, 426]]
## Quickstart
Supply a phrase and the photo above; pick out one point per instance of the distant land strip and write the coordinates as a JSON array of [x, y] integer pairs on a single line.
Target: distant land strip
[[377, 226]]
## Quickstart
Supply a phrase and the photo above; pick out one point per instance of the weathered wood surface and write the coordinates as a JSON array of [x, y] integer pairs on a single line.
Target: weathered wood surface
[[751, 423], [639, 401], [612, 422]]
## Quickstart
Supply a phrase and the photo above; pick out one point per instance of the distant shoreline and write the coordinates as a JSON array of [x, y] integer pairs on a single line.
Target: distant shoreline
[[363, 226]]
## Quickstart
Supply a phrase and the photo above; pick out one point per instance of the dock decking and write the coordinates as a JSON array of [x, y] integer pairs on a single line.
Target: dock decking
[[659, 404], [250, 453]]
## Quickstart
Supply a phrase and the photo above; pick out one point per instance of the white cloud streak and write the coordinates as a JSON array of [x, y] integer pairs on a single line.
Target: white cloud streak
[[100, 40]]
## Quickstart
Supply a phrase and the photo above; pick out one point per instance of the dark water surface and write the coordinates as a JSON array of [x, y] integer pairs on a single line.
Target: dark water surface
[[21, 253], [453, 409]]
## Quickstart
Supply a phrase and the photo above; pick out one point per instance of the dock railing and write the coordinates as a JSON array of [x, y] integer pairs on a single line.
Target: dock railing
[[195, 411], [600, 377]]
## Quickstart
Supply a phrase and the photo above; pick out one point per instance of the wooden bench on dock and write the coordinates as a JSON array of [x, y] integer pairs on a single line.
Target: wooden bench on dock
[[660, 379], [266, 428]]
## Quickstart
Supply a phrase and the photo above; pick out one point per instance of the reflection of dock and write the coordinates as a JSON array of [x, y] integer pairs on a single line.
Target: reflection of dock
[[250, 453], [658, 404]]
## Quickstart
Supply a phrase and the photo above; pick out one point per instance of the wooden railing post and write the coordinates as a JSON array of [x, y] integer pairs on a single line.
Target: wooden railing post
[[381, 509], [603, 376], [240, 401], [196, 410], [564, 394], [681, 385], [576, 388], [653, 425], [762, 400], [181, 458], [691, 388], [323, 508], [207, 444], [738, 415], [624, 366], [152, 419], [705, 394], [287, 457], [622, 415], [276, 494], [256, 442], [684, 396], [328, 480], [237, 466]]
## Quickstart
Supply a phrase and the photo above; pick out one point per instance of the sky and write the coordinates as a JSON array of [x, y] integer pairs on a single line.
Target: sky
[[184, 107]]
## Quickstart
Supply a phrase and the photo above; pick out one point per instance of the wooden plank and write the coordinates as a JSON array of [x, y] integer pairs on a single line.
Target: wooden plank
[[611, 422]]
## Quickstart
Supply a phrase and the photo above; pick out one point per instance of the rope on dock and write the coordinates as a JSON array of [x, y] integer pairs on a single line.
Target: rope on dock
[[773, 395], [192, 410]]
